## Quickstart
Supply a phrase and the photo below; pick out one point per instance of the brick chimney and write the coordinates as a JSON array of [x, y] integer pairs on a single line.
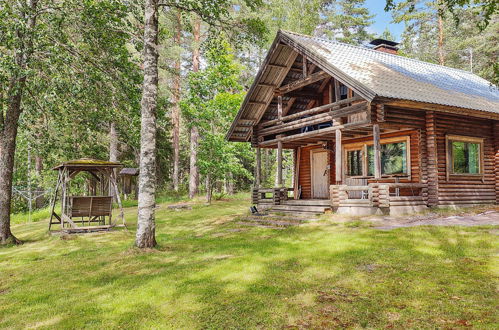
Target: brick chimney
[[385, 46]]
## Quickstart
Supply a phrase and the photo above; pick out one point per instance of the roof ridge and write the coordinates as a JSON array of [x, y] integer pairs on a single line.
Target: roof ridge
[[385, 54]]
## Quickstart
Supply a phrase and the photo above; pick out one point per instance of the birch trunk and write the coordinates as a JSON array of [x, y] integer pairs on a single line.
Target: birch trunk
[[113, 153], [209, 189], [441, 56], [40, 200], [194, 136], [145, 237], [9, 121], [176, 108]]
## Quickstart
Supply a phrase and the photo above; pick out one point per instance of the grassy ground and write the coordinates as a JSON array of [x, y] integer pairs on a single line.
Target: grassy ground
[[210, 272]]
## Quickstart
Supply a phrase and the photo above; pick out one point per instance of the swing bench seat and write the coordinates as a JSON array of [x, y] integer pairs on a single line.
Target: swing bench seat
[[91, 206]]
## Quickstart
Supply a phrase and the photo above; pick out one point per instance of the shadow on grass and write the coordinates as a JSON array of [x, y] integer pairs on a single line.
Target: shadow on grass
[[319, 277]]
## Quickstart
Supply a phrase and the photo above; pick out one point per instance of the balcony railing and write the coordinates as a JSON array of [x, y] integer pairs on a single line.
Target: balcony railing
[[271, 196]]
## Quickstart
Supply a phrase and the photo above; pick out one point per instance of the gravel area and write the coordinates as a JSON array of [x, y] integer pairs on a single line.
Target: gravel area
[[485, 218]]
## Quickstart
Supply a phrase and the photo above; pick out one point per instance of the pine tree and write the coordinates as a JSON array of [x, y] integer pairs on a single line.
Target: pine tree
[[345, 21]]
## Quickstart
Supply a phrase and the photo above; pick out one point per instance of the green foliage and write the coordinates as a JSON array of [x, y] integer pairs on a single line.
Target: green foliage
[[212, 101], [485, 9], [346, 21]]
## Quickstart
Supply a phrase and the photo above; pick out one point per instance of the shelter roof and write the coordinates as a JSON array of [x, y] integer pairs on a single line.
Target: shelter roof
[[88, 164]]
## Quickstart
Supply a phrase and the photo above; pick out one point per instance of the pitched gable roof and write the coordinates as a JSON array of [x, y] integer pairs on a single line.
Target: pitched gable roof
[[374, 74], [394, 76]]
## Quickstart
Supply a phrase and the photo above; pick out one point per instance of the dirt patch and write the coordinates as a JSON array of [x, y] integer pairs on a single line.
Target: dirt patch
[[481, 219]]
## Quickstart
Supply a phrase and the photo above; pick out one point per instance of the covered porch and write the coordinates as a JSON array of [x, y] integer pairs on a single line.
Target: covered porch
[[346, 158]]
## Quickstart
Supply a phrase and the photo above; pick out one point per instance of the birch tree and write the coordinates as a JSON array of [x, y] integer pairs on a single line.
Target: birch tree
[[146, 227]]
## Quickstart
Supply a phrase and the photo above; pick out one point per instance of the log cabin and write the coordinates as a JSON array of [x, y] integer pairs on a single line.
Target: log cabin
[[371, 131]]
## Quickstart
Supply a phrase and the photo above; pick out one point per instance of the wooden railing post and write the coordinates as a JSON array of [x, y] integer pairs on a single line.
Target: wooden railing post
[[335, 197], [342, 194], [377, 152], [255, 195], [279, 162], [384, 195], [277, 196]]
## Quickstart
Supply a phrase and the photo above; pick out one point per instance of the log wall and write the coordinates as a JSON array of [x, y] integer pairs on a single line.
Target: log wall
[[427, 131], [466, 189]]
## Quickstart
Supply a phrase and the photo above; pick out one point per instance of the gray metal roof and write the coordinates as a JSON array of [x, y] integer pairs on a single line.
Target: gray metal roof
[[370, 73], [381, 74]]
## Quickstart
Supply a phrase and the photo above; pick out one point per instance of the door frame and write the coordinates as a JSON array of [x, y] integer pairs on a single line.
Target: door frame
[[312, 152]]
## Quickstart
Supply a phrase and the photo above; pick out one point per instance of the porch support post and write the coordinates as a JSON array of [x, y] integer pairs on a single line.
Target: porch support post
[[258, 168], [279, 162], [338, 157], [377, 152], [279, 108]]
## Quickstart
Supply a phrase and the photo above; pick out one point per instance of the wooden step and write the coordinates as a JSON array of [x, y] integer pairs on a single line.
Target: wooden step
[[308, 202], [300, 208]]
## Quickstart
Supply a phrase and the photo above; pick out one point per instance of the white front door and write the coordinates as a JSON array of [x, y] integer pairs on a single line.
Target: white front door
[[320, 174]]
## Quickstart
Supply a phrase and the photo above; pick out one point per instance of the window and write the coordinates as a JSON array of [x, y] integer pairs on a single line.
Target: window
[[464, 155], [359, 158], [354, 162], [343, 92], [393, 158]]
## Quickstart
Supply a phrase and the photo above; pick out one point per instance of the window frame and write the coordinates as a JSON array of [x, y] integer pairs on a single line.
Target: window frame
[[449, 157], [363, 147]]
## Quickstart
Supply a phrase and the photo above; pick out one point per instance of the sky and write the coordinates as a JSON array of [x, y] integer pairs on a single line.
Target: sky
[[383, 19]]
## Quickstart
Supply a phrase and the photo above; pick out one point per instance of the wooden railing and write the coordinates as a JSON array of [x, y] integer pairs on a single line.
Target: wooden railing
[[271, 196], [380, 195]]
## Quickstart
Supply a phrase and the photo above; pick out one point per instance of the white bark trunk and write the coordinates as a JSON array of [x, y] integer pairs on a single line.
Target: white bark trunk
[[145, 236], [194, 137], [176, 109], [113, 153]]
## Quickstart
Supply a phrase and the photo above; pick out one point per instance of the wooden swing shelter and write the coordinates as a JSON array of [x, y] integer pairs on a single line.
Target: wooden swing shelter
[[92, 211]]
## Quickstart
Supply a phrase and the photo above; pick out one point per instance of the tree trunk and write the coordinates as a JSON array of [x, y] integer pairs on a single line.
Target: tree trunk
[[113, 153], [10, 121], [441, 57], [193, 169], [7, 152], [145, 237], [194, 136], [209, 189], [229, 184], [39, 200], [176, 108]]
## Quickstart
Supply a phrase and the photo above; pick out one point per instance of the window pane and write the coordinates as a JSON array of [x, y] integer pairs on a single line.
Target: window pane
[[354, 162], [466, 157], [393, 158]]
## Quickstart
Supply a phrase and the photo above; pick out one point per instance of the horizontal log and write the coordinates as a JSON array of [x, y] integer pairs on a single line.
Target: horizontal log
[[405, 198], [321, 108], [314, 77], [353, 188], [317, 119], [313, 133]]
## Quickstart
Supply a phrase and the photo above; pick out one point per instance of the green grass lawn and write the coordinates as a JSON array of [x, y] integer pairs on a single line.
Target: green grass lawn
[[210, 272]]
